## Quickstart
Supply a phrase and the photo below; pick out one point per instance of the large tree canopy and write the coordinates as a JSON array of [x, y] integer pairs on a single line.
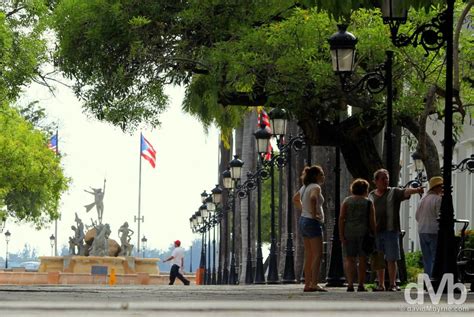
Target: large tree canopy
[[31, 177], [250, 53]]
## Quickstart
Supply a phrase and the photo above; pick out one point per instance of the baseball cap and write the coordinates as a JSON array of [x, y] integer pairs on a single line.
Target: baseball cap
[[177, 242]]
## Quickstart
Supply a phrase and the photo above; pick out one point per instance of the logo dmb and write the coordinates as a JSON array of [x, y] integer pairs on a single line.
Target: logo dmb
[[446, 281]]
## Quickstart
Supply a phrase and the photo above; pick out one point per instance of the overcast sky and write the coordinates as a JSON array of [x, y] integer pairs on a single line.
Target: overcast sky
[[186, 165]]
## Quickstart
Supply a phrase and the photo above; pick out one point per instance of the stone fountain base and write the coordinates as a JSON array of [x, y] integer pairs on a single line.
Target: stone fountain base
[[85, 264]]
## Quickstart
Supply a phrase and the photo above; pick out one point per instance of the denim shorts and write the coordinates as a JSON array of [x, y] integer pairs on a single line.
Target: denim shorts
[[388, 243], [310, 228]]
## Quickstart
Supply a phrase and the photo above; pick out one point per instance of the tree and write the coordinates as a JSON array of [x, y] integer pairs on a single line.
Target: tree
[[31, 178], [246, 54]]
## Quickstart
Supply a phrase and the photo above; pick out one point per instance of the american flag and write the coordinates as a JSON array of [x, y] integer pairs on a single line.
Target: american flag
[[147, 151], [53, 143], [265, 119]]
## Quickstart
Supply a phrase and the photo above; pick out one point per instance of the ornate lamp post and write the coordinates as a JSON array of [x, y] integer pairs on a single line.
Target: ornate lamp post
[[51, 242], [342, 45], [217, 198], [203, 196], [144, 243], [262, 136], [207, 245], [432, 36], [236, 173], [7, 239], [202, 261], [278, 121], [229, 185], [211, 208]]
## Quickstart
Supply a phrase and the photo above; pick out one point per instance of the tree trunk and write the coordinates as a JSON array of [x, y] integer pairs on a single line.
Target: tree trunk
[[239, 136], [250, 159], [224, 159]]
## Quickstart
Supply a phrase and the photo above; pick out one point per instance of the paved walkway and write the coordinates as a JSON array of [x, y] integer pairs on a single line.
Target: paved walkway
[[220, 300]]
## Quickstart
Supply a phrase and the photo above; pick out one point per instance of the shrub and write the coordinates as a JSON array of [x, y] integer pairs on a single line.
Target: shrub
[[414, 263]]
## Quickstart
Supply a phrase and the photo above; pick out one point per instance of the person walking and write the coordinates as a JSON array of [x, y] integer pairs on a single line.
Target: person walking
[[356, 221], [387, 202], [426, 217], [310, 201], [177, 256]]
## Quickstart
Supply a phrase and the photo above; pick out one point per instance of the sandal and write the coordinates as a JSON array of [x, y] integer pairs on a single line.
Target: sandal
[[309, 289], [320, 289], [361, 288], [379, 289], [392, 289]]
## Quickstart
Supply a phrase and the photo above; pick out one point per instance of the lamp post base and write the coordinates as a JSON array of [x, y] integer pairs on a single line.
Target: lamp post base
[[272, 277]]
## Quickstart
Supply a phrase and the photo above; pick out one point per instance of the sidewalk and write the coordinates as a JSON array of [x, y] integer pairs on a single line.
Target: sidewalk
[[215, 300]]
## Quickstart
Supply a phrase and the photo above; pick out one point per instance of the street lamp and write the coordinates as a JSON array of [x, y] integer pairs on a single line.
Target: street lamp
[[205, 215], [236, 168], [432, 36], [203, 196], [279, 122], [342, 44], [202, 263], [7, 239], [217, 194], [144, 243], [228, 184], [335, 275], [51, 242], [262, 136], [236, 173]]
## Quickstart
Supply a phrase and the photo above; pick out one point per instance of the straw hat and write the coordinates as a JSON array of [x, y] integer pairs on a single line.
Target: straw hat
[[435, 181]]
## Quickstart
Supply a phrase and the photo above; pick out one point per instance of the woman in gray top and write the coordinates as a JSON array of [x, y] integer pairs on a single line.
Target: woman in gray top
[[357, 219]]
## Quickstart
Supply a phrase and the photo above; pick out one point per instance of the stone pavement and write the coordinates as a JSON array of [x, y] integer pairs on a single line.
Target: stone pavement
[[211, 300]]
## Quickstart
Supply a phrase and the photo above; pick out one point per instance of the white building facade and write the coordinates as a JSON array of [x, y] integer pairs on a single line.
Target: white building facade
[[463, 182]]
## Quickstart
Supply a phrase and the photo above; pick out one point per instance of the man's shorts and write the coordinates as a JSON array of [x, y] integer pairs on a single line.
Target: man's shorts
[[310, 228], [388, 243]]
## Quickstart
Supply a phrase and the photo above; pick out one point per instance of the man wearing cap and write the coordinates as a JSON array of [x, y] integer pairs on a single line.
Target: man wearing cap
[[426, 216], [177, 258]]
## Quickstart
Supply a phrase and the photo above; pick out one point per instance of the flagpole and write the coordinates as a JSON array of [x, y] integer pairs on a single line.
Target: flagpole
[[139, 193], [56, 220]]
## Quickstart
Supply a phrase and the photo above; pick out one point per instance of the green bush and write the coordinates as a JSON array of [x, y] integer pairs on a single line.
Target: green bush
[[414, 259], [414, 263], [469, 243]]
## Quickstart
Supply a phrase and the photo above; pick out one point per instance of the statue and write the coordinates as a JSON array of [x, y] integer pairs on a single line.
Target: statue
[[125, 235], [100, 245], [76, 242], [98, 201]]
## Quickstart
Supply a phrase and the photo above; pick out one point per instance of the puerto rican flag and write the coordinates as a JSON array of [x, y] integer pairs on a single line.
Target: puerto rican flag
[[147, 151], [265, 119], [53, 143]]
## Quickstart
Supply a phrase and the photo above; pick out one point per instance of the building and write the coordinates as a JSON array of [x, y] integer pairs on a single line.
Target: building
[[463, 182]]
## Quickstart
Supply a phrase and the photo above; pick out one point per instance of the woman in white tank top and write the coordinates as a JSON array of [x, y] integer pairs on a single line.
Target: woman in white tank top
[[310, 200]]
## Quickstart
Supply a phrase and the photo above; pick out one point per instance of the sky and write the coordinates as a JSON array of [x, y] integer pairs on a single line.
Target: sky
[[186, 165]]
